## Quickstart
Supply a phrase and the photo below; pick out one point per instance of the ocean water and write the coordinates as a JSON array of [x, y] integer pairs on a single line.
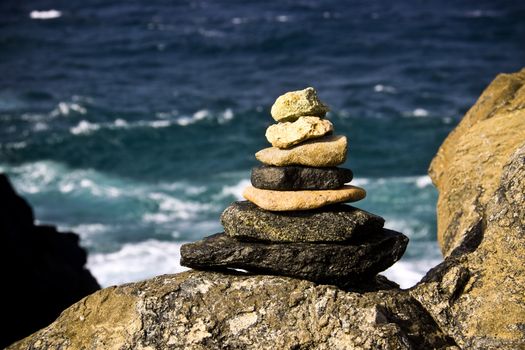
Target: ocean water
[[135, 124]]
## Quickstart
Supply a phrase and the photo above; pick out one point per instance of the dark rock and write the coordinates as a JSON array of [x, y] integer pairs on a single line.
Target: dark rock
[[339, 264], [246, 221], [42, 270], [289, 178]]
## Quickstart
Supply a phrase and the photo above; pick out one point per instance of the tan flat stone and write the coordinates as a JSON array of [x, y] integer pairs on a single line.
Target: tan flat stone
[[295, 104], [301, 200], [321, 152], [288, 134]]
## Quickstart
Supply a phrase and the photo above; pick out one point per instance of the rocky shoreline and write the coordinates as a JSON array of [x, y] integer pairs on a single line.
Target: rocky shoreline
[[473, 300]]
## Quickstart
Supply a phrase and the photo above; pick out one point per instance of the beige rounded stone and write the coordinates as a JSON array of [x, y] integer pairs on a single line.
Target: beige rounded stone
[[326, 151], [288, 134], [302, 200], [295, 104]]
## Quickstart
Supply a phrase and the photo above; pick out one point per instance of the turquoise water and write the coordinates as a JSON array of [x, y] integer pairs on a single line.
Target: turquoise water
[[136, 124]]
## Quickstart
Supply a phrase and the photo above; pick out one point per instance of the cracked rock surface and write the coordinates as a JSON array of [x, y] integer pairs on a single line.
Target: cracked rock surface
[[209, 310]]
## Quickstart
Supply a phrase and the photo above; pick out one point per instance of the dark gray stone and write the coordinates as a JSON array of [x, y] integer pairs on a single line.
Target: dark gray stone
[[339, 264], [335, 223], [290, 178]]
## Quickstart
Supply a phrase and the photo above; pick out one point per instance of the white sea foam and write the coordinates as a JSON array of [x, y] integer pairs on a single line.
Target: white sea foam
[[34, 177], [199, 115], [420, 181], [419, 113], [234, 190], [360, 181], [67, 108], [49, 14], [136, 262], [408, 226], [160, 123], [225, 116], [84, 127], [384, 88], [183, 186], [408, 273], [48, 176], [40, 126], [171, 209], [423, 181], [120, 123], [89, 229]]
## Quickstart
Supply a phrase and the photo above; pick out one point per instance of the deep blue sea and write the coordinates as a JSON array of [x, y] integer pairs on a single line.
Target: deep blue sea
[[135, 124]]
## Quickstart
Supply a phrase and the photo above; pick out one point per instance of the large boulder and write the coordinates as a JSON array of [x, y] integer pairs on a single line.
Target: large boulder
[[210, 310], [468, 167], [42, 270], [477, 296]]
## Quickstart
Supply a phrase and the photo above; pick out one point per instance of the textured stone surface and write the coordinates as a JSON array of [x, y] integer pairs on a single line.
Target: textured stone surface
[[468, 166], [292, 178], [302, 200], [206, 310], [43, 270], [295, 104], [339, 222], [477, 294], [327, 151], [340, 264], [288, 134]]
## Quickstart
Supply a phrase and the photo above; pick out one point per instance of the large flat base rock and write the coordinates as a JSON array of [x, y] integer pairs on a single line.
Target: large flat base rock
[[209, 310], [294, 178], [335, 223], [302, 200], [339, 264]]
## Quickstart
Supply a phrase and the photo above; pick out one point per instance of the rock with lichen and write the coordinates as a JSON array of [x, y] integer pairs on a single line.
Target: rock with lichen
[[210, 310], [287, 134], [294, 104], [327, 151], [336, 223]]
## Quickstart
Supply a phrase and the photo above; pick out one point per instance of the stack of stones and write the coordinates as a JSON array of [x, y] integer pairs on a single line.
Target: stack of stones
[[294, 223]]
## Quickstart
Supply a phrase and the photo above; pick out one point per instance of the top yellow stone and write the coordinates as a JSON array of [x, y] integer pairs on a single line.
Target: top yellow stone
[[294, 104]]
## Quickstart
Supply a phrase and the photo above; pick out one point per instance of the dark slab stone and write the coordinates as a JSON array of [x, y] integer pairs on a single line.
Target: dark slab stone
[[289, 178], [334, 223], [339, 264]]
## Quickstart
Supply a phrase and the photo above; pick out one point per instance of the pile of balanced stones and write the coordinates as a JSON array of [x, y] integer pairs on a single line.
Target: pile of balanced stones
[[293, 222]]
